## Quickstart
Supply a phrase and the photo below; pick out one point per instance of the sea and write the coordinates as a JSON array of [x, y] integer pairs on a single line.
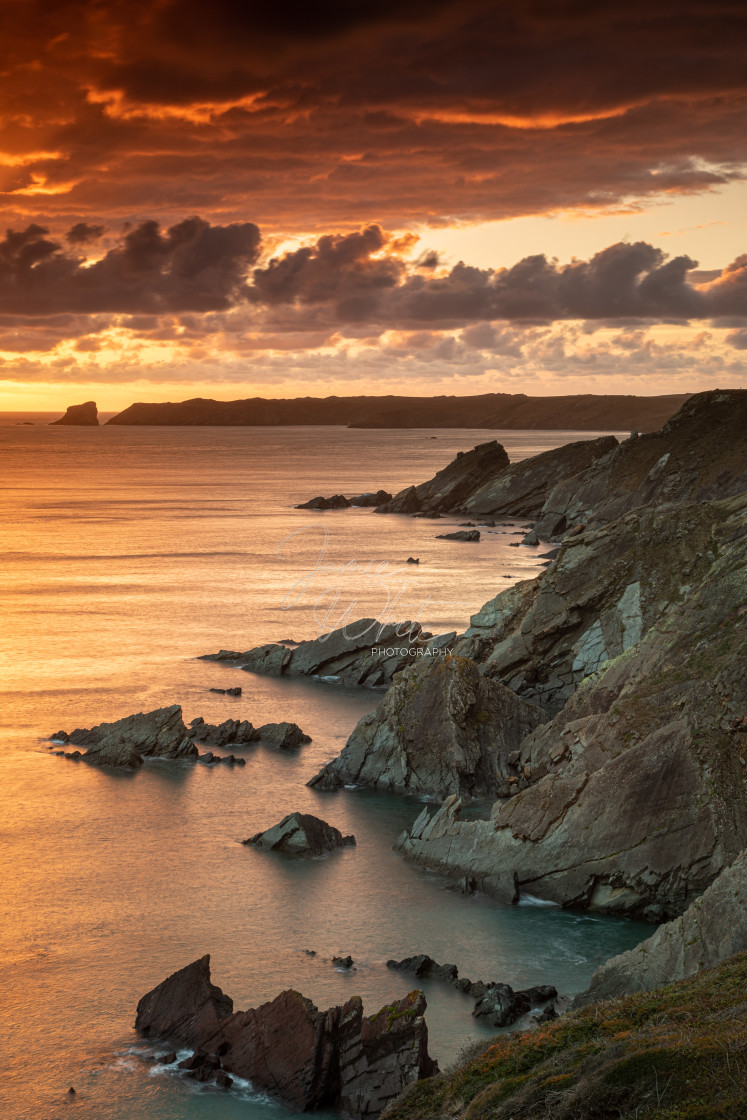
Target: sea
[[126, 554]]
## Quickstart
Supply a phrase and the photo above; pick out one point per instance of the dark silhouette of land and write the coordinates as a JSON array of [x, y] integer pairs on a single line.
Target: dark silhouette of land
[[490, 411]]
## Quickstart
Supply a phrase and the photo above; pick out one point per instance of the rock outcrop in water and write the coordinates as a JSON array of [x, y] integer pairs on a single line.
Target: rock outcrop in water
[[364, 652], [301, 834], [162, 734], [339, 501], [126, 742], [497, 1003], [80, 415], [441, 728], [710, 931], [638, 794], [308, 1058]]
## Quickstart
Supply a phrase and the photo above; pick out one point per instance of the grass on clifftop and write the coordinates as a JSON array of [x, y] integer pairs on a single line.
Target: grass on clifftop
[[678, 1053]]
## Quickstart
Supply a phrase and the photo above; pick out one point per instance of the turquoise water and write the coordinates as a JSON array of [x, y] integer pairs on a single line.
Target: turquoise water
[[126, 553]]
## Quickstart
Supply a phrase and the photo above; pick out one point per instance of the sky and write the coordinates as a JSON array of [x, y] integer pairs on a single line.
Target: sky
[[239, 199]]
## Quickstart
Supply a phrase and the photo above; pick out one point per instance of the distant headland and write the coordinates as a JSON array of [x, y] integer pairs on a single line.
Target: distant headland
[[585, 412]]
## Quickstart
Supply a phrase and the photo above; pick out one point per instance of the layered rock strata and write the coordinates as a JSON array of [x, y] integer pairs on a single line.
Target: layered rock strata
[[638, 793], [441, 728], [308, 1058]]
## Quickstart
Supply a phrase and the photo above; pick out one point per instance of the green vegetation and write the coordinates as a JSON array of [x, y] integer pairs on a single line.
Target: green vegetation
[[678, 1053]]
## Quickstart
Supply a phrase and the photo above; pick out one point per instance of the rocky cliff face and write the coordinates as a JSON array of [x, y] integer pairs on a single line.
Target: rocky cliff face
[[638, 797], [450, 488], [710, 931], [441, 728], [80, 415], [522, 488], [698, 455], [309, 1058], [602, 593]]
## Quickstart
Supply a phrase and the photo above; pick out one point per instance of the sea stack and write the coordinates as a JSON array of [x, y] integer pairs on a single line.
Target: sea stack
[[81, 415]]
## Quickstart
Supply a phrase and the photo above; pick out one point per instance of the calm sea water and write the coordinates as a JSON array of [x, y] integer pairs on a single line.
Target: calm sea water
[[126, 553]]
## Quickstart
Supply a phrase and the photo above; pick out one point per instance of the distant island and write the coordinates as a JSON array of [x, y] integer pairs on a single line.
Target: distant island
[[585, 412]]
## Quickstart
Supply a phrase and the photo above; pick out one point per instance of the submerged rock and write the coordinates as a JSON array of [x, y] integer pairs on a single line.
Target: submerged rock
[[301, 834], [127, 741], [308, 1058], [441, 728], [80, 415], [498, 1003]]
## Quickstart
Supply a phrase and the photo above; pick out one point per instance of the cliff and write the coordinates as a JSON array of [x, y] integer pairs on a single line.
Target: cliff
[[80, 415], [488, 411]]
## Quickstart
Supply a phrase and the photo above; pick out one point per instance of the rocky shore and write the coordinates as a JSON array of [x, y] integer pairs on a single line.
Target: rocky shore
[[162, 734], [306, 1057], [601, 709]]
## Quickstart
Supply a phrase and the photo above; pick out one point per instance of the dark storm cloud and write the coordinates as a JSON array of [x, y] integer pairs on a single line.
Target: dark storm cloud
[[192, 266], [623, 282], [347, 280], [83, 234], [337, 112]]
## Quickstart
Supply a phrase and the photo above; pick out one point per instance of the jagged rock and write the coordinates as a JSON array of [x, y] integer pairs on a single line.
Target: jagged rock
[[442, 727], [424, 967], [712, 929], [451, 487], [185, 1007], [227, 691], [412, 560], [301, 834], [282, 736], [343, 962], [461, 535], [498, 1003], [80, 415], [126, 742], [522, 488], [337, 501], [700, 454], [309, 1058], [371, 499], [604, 590], [364, 652], [239, 731], [531, 538], [638, 798]]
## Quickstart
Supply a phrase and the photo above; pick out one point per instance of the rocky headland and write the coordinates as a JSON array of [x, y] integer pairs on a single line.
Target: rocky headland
[[308, 1058], [487, 411], [80, 415]]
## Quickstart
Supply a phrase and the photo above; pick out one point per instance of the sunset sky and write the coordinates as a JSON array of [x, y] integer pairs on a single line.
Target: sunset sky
[[242, 198]]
